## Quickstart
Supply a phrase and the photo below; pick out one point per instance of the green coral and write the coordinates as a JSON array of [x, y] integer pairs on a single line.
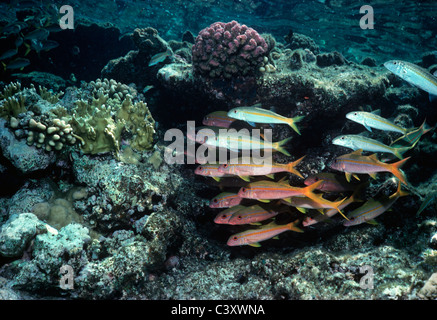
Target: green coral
[[93, 123]]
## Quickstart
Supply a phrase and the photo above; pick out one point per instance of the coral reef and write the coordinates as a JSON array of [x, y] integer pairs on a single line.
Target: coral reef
[[228, 50]]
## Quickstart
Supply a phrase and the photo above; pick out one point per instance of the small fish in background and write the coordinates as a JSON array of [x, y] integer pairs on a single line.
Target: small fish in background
[[304, 203], [38, 34], [147, 88], [49, 45], [255, 236], [355, 162], [254, 115], [12, 28], [415, 75], [8, 54], [224, 216], [373, 208], [160, 57], [218, 119], [371, 120], [429, 199], [357, 142], [19, 63], [225, 200], [411, 138]]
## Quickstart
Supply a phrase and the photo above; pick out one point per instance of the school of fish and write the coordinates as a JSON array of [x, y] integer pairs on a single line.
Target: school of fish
[[262, 197]]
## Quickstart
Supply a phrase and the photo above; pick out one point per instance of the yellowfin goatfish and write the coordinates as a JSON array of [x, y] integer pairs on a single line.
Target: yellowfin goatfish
[[9, 53], [371, 120], [258, 115], [412, 137], [252, 215], [373, 208], [356, 163], [38, 34], [236, 141], [18, 63], [245, 168], [160, 57], [356, 142], [268, 231], [415, 75], [225, 200]]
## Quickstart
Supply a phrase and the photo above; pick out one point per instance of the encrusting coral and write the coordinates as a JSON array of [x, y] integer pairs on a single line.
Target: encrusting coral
[[101, 111]]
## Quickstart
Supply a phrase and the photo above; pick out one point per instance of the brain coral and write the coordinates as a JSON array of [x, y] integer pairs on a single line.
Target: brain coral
[[227, 50]]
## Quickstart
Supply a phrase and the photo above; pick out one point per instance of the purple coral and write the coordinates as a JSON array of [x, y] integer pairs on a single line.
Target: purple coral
[[228, 50]]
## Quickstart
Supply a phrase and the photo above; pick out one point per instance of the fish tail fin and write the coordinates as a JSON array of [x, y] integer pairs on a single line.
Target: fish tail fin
[[4, 66], [395, 169], [292, 123], [308, 191], [399, 151], [291, 165], [293, 226], [399, 192], [279, 146]]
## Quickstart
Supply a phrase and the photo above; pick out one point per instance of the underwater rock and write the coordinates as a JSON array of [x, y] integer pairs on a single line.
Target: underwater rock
[[330, 59], [301, 41], [133, 67], [17, 232], [50, 253], [429, 290], [24, 157]]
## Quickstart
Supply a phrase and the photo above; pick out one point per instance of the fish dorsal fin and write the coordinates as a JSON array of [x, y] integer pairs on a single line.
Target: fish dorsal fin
[[377, 112], [283, 180], [373, 157], [358, 152]]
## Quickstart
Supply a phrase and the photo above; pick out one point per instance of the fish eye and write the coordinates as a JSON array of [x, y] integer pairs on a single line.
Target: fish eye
[[200, 168], [239, 217], [395, 62], [225, 166], [224, 216], [342, 138], [235, 238], [215, 200], [243, 189], [316, 179], [355, 113], [235, 111]]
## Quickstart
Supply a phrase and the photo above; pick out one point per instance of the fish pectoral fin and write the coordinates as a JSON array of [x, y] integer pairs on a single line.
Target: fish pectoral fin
[[251, 123], [373, 175], [245, 178], [271, 176], [303, 210], [367, 127], [255, 223], [321, 210], [255, 244], [372, 222], [216, 179], [348, 176], [356, 177], [276, 238], [264, 200], [432, 98]]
